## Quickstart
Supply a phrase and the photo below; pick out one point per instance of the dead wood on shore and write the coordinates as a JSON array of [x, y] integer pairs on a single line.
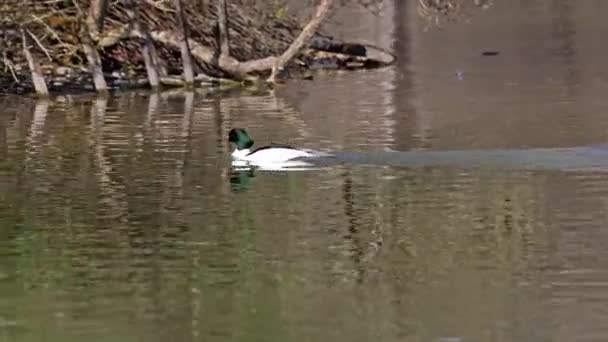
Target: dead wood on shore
[[103, 44]]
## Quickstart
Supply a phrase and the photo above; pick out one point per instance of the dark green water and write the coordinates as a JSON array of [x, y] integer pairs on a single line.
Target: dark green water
[[121, 220]]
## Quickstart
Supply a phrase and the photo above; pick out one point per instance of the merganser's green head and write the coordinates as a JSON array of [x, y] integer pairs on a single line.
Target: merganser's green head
[[240, 138]]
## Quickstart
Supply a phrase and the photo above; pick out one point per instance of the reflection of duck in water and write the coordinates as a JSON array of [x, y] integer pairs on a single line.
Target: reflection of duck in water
[[273, 156], [240, 180]]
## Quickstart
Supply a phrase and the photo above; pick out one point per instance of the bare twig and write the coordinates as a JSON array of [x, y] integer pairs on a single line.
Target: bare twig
[[46, 52], [8, 64], [157, 5], [48, 28]]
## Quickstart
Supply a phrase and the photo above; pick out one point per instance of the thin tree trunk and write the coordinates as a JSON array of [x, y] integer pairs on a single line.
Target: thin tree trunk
[[222, 13], [151, 67], [183, 44], [37, 76], [295, 47], [94, 61], [97, 14], [159, 63], [146, 49]]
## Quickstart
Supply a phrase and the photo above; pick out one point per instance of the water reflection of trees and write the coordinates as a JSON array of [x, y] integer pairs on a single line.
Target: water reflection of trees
[[129, 209]]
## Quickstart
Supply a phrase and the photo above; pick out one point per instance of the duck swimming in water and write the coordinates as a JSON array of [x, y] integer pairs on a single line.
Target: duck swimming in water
[[271, 156]]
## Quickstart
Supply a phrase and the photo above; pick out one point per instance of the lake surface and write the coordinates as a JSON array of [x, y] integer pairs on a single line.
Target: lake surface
[[470, 201]]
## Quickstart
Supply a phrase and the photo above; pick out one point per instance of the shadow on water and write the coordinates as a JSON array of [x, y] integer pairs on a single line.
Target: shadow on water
[[557, 159]]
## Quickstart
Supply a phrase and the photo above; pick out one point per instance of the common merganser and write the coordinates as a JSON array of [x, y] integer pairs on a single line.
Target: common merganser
[[273, 156]]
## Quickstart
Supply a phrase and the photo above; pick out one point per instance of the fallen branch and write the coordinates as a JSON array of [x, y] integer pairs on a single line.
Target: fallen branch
[[226, 39], [225, 62], [297, 45], [204, 54], [172, 81]]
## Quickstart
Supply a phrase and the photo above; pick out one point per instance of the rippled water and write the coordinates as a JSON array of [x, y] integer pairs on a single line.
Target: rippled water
[[461, 209]]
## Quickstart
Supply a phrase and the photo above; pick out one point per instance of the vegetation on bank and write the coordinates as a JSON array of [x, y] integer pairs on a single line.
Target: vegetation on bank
[[68, 45]]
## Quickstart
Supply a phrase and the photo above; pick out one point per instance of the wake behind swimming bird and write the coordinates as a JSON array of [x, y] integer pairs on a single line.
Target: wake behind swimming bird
[[270, 157], [287, 158]]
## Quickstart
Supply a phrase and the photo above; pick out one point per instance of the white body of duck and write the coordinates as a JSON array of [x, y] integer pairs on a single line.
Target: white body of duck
[[267, 157]]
